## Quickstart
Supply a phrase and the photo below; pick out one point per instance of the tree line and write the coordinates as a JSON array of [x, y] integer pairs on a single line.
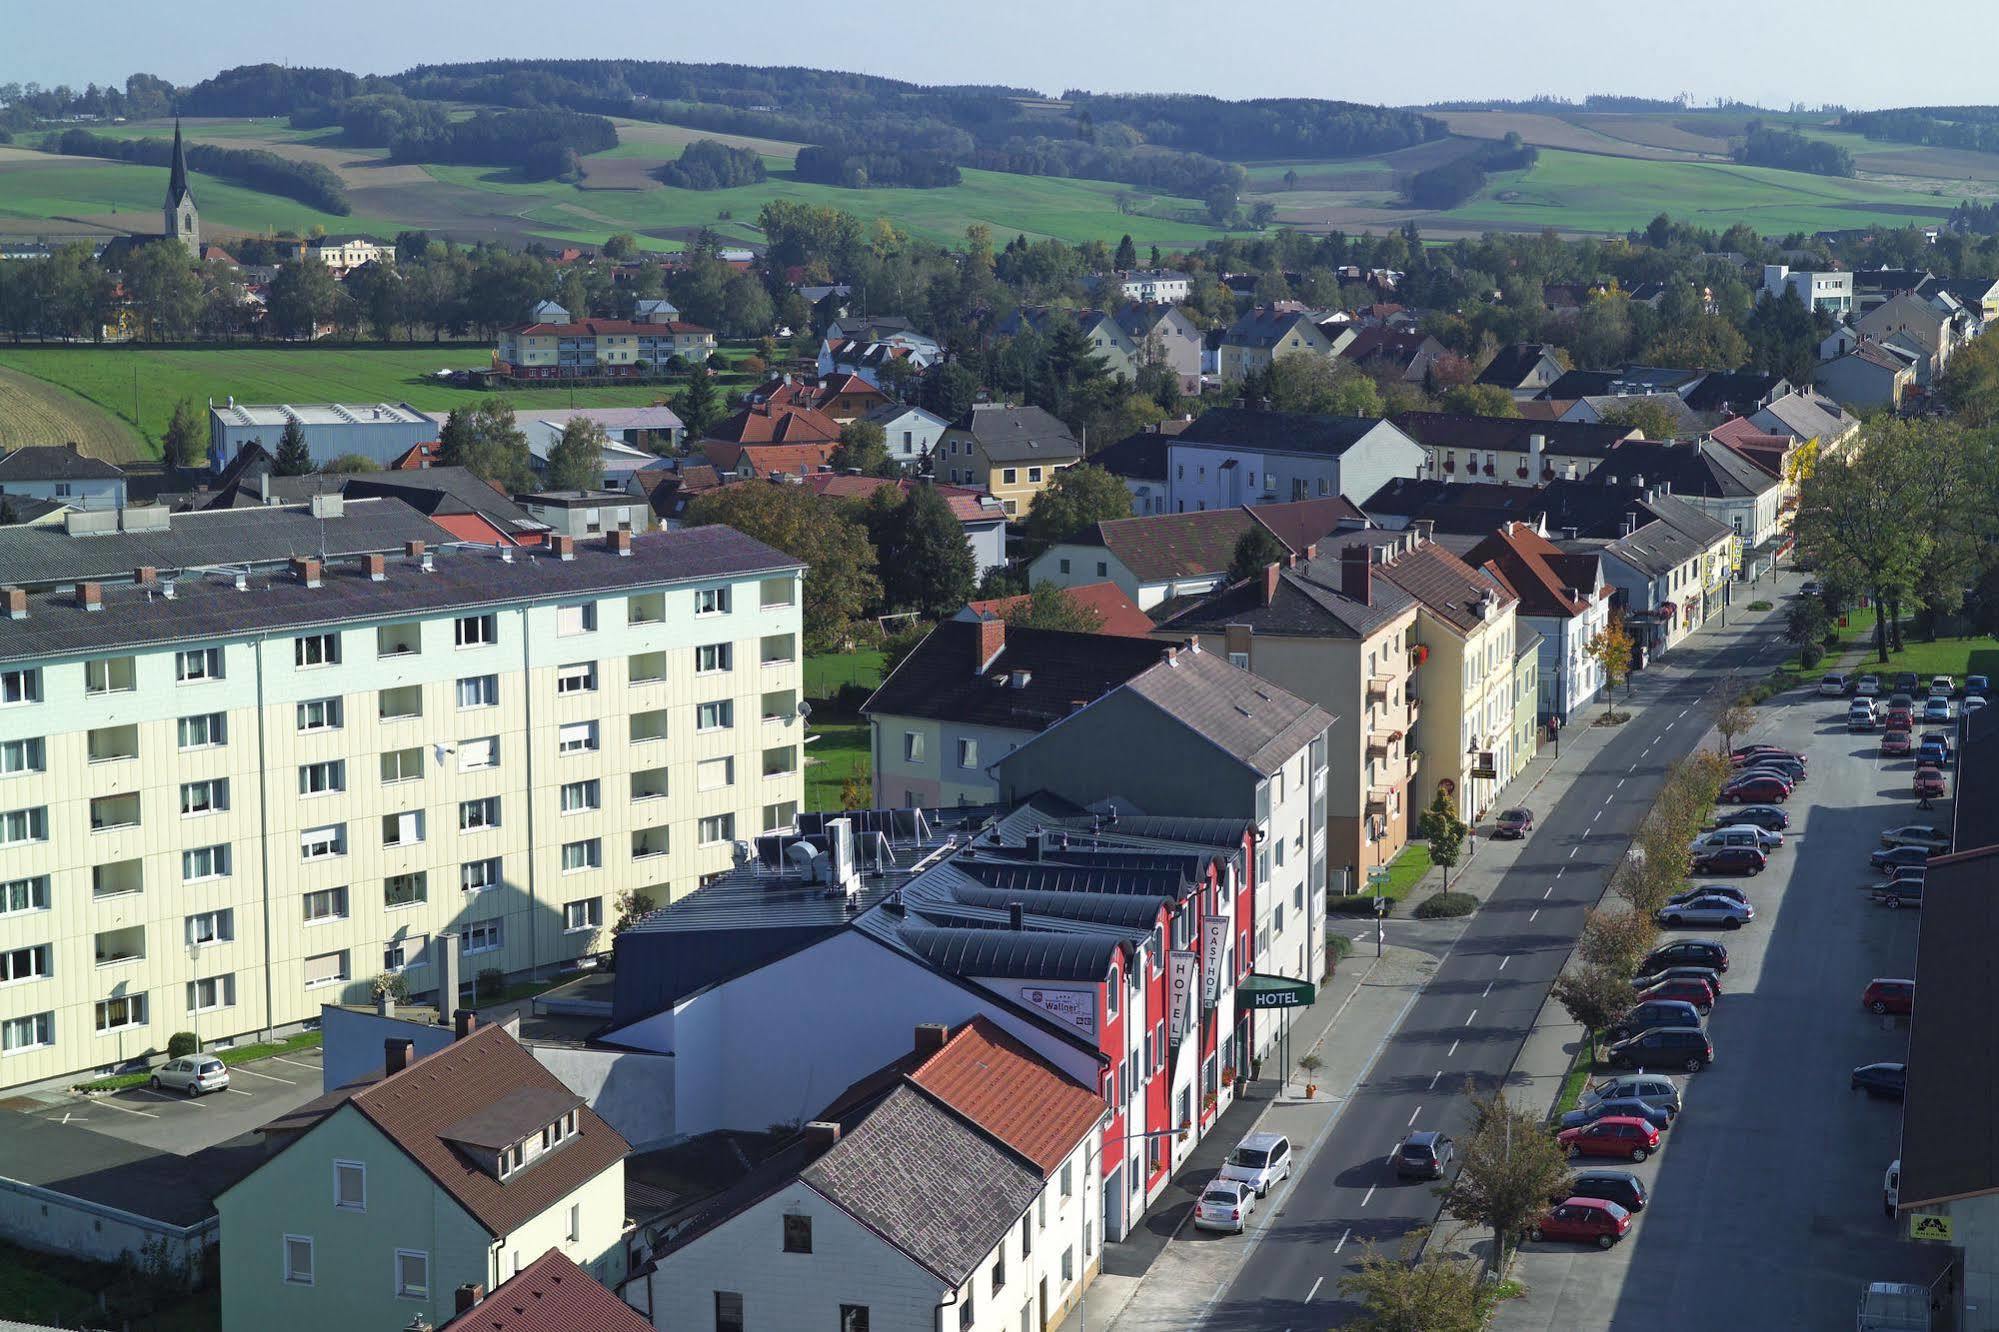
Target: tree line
[[708, 165], [1765, 145], [1457, 181], [307, 182], [1972, 127]]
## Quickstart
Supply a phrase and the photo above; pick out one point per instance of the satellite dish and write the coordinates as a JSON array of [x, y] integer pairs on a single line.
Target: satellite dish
[[804, 709]]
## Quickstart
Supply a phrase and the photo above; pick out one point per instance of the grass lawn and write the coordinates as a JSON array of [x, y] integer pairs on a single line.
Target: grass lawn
[[1581, 1065], [1955, 657], [840, 751], [47, 1289], [126, 194], [827, 672], [1407, 870], [231, 1055]]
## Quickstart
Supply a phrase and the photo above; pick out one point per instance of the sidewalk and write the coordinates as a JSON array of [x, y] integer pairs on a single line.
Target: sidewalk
[[1165, 1271]]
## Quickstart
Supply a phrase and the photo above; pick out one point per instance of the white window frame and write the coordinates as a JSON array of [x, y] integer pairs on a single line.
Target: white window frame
[[483, 692], [137, 1013], [703, 769], [360, 1168], [589, 855], [30, 752], [20, 687], [483, 865], [330, 714], [468, 750], [577, 619], [334, 772], [411, 1292], [340, 897], [717, 714], [475, 631], [579, 677], [577, 738], [218, 863], [591, 917], [216, 790], [221, 927], [488, 806], [711, 601], [725, 824], [719, 657], [286, 1272], [214, 726], [33, 889], [589, 793], [310, 652], [493, 929], [341, 977]]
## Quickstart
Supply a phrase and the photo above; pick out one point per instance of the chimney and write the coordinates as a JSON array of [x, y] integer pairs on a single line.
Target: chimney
[[145, 575], [1536, 443], [396, 1053], [446, 945], [467, 1297], [563, 546], [1426, 529], [1270, 572], [619, 543], [1356, 579], [992, 637], [385, 1004], [17, 602], [822, 1133], [1236, 638], [376, 567], [413, 549], [264, 487], [464, 1022], [930, 1037], [1015, 917], [306, 570], [90, 596]]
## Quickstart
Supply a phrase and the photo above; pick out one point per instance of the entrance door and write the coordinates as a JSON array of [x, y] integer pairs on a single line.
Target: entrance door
[[1114, 1204], [1044, 1301]]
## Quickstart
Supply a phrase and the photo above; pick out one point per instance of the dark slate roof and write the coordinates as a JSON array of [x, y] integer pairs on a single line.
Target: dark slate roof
[[1889, 279], [1264, 327], [1018, 434], [444, 490], [1016, 954], [511, 1116], [1278, 432], [1164, 546], [1693, 467], [1655, 548], [54, 462], [1950, 1137], [1580, 384], [1139, 457], [1463, 507], [1307, 602], [1132, 913], [21, 509], [1461, 430], [1259, 724], [943, 680], [1514, 364], [211, 607], [1721, 392], [43, 556], [1139, 318]]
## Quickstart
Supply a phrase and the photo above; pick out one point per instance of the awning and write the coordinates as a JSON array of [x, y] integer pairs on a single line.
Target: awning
[[1260, 991]]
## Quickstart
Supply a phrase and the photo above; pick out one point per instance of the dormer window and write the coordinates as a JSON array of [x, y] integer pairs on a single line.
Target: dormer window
[[515, 1131]]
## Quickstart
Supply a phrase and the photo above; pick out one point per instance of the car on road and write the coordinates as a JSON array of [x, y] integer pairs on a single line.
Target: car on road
[[1737, 834], [1899, 854], [1900, 893], [1869, 686], [1663, 1047], [1895, 744], [1622, 1106], [1697, 994], [1583, 1221], [1516, 822], [1225, 1205], [1425, 1154], [1835, 684], [1930, 783], [1976, 686], [1755, 791], [1700, 890], [1707, 909], [1613, 1135], [1651, 1088], [1661, 1012], [1617, 1186], [1882, 1081], [1887, 994], [1810, 588], [1928, 836], [1936, 710], [191, 1074], [1259, 1160], [1730, 860], [1687, 953], [1891, 1186], [1756, 816], [1860, 715]]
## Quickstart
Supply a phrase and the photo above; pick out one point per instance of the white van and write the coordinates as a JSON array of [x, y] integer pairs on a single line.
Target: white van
[[1259, 1160], [1891, 1187]]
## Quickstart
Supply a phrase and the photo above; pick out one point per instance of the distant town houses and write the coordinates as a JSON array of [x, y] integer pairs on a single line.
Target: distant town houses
[[1012, 453], [1231, 456], [598, 348]]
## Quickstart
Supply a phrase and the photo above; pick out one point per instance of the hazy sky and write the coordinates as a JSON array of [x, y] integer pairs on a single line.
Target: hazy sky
[[1757, 50]]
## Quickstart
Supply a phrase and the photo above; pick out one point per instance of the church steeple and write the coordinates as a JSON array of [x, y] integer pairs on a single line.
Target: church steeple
[[181, 218], [177, 183]]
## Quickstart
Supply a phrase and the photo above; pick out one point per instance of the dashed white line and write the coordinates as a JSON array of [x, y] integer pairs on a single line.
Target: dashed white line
[[1599, 814], [1453, 1050], [1315, 1286], [1504, 960], [1572, 852], [1370, 1194], [1634, 771], [1343, 1240], [1621, 781], [1669, 726], [1558, 873], [1530, 916], [1412, 1116], [1545, 891], [1683, 712], [1433, 1079], [1474, 1013]]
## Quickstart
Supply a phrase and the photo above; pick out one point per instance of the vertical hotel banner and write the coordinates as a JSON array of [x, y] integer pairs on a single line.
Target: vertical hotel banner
[[1214, 943], [1181, 995]]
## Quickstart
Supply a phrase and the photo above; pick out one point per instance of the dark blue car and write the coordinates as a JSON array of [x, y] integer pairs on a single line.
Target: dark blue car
[[1898, 855], [1655, 1115]]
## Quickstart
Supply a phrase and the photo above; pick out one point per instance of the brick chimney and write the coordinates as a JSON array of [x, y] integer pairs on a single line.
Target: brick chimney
[[822, 1133], [463, 1023], [145, 575], [992, 637], [17, 602], [930, 1037], [376, 567], [90, 596], [467, 1298], [618, 542], [306, 570], [563, 546], [413, 549], [1270, 573], [1355, 579], [396, 1053]]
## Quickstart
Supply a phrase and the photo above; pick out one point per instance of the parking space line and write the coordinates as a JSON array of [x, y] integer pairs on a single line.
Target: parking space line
[[1531, 915], [1545, 891], [194, 1101], [1453, 1050], [1370, 1195], [1558, 872], [107, 1101], [1474, 1013], [233, 1092], [287, 1081], [1433, 1079], [295, 1063], [1572, 852], [1504, 960]]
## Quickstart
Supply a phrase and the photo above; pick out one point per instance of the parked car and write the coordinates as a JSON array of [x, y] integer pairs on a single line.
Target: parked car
[[1869, 686], [1936, 710], [1789, 769], [1730, 860], [1942, 684], [1737, 834], [1810, 588], [1682, 971], [1899, 854], [1710, 953], [1900, 717], [1707, 909], [1661, 1012], [1516, 822], [192, 1074], [1755, 791], [1972, 703], [1928, 836], [1835, 684], [1623, 1106], [1976, 686], [1651, 1088], [1259, 1160], [1700, 890], [1930, 783], [1907, 682], [1615, 1186], [1425, 1155], [1664, 1047], [1882, 1081], [1582, 1220], [1895, 744], [1891, 1187], [1225, 1205], [1860, 715], [1696, 994], [1748, 754], [1900, 893], [1613, 1135], [1758, 816], [1889, 995], [1941, 739]]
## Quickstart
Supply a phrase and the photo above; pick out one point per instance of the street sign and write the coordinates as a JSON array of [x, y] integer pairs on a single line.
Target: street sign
[[1260, 991], [1929, 1226], [1214, 942], [1184, 965]]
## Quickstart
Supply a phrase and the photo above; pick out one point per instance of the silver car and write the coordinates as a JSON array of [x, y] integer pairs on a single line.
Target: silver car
[[1225, 1205], [1651, 1088], [1708, 909], [193, 1074]]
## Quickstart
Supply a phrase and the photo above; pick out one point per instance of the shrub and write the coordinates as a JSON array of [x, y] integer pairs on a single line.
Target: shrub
[[182, 1044], [1760, 605], [492, 983], [1440, 906], [1351, 904]]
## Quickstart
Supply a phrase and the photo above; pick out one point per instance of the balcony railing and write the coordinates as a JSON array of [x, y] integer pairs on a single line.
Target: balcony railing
[[1378, 687]]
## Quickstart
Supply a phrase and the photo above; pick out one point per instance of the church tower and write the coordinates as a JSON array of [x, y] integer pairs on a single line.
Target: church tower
[[182, 220]]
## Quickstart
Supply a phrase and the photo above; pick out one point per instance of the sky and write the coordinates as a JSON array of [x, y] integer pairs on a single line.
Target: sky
[[1756, 51]]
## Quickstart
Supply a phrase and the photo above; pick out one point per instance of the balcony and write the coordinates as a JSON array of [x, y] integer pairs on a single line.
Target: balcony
[[1415, 706], [398, 640], [1378, 688], [1380, 742], [117, 811], [126, 945], [111, 744], [1378, 798]]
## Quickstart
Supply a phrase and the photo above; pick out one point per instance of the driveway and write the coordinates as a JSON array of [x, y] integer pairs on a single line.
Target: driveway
[[258, 1092]]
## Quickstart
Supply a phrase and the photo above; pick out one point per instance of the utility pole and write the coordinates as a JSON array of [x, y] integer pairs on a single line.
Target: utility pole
[[1377, 877]]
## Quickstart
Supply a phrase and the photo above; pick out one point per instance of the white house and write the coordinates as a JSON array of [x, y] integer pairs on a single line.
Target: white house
[[1831, 291], [911, 432], [1236, 455], [63, 474]]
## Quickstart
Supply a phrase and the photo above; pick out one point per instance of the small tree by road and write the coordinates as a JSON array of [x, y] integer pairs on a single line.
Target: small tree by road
[[1594, 996], [1737, 715], [1444, 831], [1610, 649], [1616, 939], [1509, 1168], [1408, 1293], [1805, 625]]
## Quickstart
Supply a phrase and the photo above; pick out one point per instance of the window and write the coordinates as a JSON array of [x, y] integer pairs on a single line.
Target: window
[[476, 876], [967, 1316], [780, 760], [853, 1318], [649, 784], [204, 731], [204, 797], [587, 914], [711, 601], [575, 1222], [325, 969], [22, 686], [197, 665], [776, 592], [777, 649], [204, 862], [322, 778], [716, 716], [121, 1013], [401, 954], [398, 640], [1064, 564], [716, 828], [477, 815], [316, 650], [1009, 475], [645, 608], [728, 1311], [403, 829], [999, 1262], [23, 964], [399, 704], [110, 675], [1033, 474], [402, 765], [18, 756], [1068, 1265], [30, 894], [711, 657], [215, 992], [580, 796], [797, 1234], [647, 726], [350, 1186], [645, 667], [401, 890], [968, 753], [27, 1033], [784, 814], [319, 714], [576, 738], [478, 691], [587, 854], [476, 631], [649, 842], [210, 927], [325, 904], [1068, 1179], [572, 620], [480, 754], [912, 746], [482, 937], [714, 774], [298, 1260]]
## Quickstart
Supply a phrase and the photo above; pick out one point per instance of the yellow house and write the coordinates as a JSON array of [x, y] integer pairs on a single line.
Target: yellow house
[[1261, 336], [1010, 452]]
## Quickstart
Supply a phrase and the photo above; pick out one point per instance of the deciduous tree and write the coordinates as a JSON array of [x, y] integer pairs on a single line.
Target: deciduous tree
[[840, 579], [1444, 831], [577, 460], [1077, 497], [1510, 1166], [1594, 996], [1050, 607], [1610, 649], [1416, 1294], [485, 441], [1255, 550]]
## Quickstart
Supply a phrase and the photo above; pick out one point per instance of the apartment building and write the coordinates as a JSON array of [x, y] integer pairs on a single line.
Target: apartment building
[[229, 797], [598, 348]]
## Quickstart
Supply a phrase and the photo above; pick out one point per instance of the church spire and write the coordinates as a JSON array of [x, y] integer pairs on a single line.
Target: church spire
[[177, 183]]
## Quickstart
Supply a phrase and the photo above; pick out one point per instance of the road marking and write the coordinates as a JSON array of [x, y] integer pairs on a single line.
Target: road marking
[[314, 1068], [1453, 1050], [65, 1114], [233, 1092], [289, 1083], [1433, 1082], [194, 1101], [1599, 814], [1606, 800], [1632, 773], [1412, 1117], [1343, 1240], [1488, 989], [106, 1100], [1504, 960], [1315, 1286], [1545, 891], [1370, 1194], [1669, 726], [1558, 873], [1535, 912], [1474, 1013], [1621, 781], [1572, 852], [1683, 712]]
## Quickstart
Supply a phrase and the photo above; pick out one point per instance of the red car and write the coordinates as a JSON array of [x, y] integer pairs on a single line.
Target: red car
[[1613, 1135], [1595, 1221], [1895, 744], [1888, 996], [1929, 783], [1696, 992], [1755, 791], [1899, 719]]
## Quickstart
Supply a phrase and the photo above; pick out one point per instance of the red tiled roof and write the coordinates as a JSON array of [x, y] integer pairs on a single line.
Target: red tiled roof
[[964, 503], [1528, 563], [417, 457], [473, 527], [770, 459], [550, 1294], [1012, 1093], [769, 423], [596, 328], [1118, 615]]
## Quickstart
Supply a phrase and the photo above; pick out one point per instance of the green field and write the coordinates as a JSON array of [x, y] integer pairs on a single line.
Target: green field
[[124, 195]]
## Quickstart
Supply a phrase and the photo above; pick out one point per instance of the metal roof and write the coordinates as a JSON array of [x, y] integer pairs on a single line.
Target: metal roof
[[1019, 954]]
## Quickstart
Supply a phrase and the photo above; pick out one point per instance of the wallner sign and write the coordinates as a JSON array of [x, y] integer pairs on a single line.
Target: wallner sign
[[1261, 991]]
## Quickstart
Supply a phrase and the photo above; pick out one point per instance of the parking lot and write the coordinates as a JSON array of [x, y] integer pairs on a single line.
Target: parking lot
[[168, 1121], [1766, 1194]]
